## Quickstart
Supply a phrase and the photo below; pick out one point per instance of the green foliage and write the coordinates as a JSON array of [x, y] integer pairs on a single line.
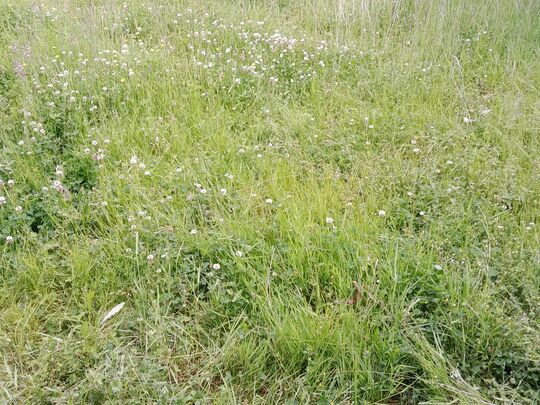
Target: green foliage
[[298, 202]]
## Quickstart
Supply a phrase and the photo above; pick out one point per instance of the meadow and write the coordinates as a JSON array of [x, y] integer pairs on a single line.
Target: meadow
[[269, 202]]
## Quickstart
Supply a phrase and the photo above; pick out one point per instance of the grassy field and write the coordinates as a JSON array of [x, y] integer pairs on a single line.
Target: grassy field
[[269, 202]]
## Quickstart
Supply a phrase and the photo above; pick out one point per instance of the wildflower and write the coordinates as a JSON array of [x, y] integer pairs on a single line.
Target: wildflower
[[382, 213], [329, 220], [9, 239], [223, 191], [11, 183], [2, 200], [239, 253], [216, 266], [18, 208], [133, 160], [150, 258], [269, 201]]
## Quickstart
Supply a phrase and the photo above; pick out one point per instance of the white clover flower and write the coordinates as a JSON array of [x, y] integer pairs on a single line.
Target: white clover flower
[[150, 258], [329, 220], [216, 266], [18, 208], [2, 200], [133, 160], [239, 253], [9, 239], [269, 201], [382, 213], [193, 231], [223, 191], [11, 183]]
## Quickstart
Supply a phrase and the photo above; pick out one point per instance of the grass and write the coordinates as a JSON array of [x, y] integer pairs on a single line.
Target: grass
[[228, 170]]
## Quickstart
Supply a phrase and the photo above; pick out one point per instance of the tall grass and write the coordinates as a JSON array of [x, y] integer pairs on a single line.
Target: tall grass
[[230, 169]]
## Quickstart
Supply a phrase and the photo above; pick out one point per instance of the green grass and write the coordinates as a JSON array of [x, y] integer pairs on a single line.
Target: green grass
[[389, 143]]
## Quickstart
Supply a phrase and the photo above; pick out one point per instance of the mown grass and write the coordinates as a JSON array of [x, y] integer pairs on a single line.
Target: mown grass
[[389, 143]]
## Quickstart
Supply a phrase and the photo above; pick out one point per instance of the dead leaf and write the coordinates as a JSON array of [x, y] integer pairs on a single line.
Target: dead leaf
[[112, 312], [357, 294]]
